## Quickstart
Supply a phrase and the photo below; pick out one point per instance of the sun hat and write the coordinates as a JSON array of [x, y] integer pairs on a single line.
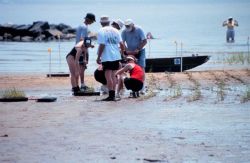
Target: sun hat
[[90, 16], [128, 22], [119, 22], [104, 19]]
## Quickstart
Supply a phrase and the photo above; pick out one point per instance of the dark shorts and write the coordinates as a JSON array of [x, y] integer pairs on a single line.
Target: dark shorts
[[82, 58], [84, 65], [133, 84], [100, 76], [73, 53], [111, 65]]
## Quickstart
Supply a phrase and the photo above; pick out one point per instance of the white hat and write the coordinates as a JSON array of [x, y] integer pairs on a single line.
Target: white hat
[[119, 22], [128, 22], [131, 57], [104, 19]]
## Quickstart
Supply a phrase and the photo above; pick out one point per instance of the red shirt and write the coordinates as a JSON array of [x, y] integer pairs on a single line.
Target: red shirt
[[137, 73]]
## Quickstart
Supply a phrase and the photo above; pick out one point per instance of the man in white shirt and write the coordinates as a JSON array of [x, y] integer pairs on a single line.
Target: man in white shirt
[[110, 43]]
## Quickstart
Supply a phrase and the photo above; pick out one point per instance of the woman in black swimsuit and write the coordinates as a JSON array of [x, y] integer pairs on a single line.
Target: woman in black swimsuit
[[73, 63]]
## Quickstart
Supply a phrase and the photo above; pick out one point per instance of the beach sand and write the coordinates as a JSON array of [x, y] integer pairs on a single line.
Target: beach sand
[[183, 117]]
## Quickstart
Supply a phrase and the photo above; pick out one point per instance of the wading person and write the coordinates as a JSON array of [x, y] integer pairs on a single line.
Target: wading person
[[81, 35], [230, 23], [109, 55], [136, 79], [135, 41]]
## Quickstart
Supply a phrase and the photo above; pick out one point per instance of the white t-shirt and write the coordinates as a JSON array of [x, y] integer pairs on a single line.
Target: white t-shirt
[[110, 37]]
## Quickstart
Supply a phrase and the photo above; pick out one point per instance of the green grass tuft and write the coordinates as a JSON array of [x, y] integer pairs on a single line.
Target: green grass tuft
[[12, 93]]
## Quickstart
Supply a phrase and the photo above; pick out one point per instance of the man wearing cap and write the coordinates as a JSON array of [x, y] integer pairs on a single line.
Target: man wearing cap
[[135, 40], [110, 43], [81, 34], [99, 73], [230, 23]]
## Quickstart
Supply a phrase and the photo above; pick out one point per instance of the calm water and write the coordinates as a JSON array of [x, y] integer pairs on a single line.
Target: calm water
[[195, 23]]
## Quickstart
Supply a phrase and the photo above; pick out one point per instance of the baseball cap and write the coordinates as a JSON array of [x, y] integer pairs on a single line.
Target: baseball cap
[[104, 19], [90, 16], [128, 22]]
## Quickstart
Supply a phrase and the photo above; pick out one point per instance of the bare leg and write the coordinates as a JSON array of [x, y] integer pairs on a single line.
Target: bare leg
[[73, 70], [81, 72], [114, 79], [120, 84], [108, 76]]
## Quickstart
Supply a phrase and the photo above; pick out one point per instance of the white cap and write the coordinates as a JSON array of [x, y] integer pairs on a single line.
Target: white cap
[[119, 22], [230, 17], [104, 19], [128, 22]]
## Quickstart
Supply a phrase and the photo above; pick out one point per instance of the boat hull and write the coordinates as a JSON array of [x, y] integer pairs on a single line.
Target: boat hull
[[174, 64]]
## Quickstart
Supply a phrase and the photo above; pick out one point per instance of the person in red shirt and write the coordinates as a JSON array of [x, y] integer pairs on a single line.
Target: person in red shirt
[[136, 79]]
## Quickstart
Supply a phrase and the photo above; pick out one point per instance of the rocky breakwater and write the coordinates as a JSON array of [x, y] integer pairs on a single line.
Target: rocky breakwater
[[38, 31]]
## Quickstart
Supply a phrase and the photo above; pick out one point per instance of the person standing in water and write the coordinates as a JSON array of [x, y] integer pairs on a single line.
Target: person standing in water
[[230, 23]]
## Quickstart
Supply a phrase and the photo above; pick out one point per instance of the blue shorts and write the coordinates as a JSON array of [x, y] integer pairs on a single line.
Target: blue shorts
[[142, 58], [230, 34]]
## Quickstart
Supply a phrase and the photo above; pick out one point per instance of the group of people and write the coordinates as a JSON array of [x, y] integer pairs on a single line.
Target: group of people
[[119, 52]]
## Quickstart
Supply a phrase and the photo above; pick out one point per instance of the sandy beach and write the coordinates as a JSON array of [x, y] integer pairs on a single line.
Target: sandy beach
[[186, 117]]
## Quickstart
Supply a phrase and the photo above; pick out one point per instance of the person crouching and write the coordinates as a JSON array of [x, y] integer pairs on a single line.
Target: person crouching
[[136, 79]]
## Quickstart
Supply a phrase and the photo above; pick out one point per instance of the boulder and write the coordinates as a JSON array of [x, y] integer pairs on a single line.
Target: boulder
[[26, 39], [53, 33], [62, 26], [40, 38], [23, 30], [69, 30], [8, 28], [38, 27], [7, 36], [16, 38], [68, 36]]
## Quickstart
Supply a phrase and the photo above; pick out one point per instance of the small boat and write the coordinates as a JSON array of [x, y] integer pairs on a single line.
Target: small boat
[[174, 64]]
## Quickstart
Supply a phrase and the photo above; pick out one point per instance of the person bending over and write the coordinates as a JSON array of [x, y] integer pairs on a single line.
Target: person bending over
[[73, 64]]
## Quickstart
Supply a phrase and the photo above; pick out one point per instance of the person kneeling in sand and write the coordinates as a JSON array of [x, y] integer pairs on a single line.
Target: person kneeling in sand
[[100, 77], [136, 79]]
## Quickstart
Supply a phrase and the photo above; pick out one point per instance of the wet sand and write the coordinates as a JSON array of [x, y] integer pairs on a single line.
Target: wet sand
[[183, 117]]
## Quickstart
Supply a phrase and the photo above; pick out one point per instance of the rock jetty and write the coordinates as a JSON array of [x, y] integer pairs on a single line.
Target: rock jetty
[[38, 31]]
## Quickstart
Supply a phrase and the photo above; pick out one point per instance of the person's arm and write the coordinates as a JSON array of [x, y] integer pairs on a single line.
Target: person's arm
[[236, 23], [143, 41], [101, 42], [142, 44], [224, 23], [124, 69], [99, 53]]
